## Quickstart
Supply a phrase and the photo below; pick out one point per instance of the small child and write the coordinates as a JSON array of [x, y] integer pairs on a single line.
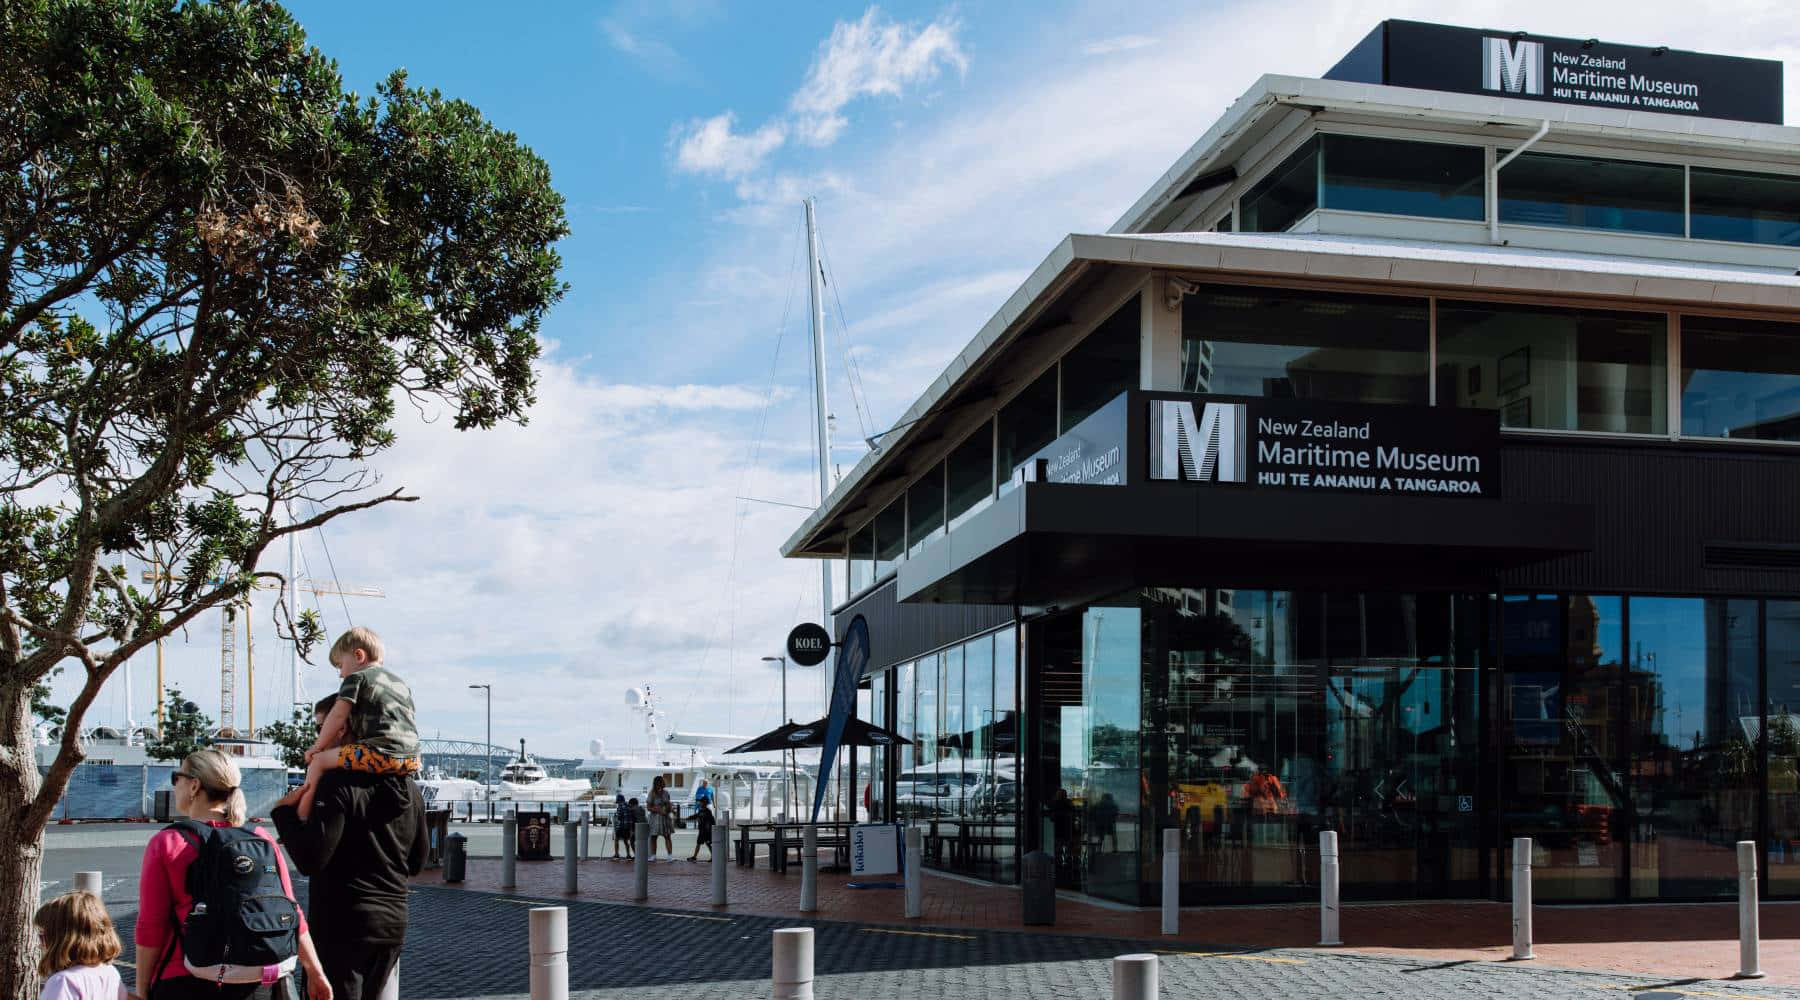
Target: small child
[[78, 946], [704, 835], [370, 728], [627, 826]]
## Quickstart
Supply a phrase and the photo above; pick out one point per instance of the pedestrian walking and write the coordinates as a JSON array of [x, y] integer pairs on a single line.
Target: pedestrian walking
[[623, 813], [703, 819], [194, 865], [662, 818], [76, 948]]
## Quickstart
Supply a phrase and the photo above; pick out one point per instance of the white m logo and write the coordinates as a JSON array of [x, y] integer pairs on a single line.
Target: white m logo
[[1211, 447], [1514, 67]]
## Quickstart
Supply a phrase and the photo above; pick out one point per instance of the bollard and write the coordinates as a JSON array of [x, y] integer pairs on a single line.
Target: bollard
[[587, 823], [571, 857], [1171, 884], [1749, 945], [1134, 977], [90, 882], [1037, 882], [809, 870], [456, 857], [915, 872], [1328, 889], [1522, 899], [720, 848], [641, 864], [509, 852], [549, 953], [791, 970]]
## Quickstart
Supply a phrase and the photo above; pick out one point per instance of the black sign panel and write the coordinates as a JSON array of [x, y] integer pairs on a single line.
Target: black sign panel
[[534, 836], [1290, 444], [1590, 73], [808, 644], [1092, 453]]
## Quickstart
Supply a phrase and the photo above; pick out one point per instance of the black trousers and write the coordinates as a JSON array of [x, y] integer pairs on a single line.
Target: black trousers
[[193, 988], [358, 970]]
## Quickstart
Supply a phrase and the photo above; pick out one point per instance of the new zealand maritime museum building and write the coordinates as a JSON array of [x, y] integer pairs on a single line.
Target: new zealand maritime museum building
[[1419, 458]]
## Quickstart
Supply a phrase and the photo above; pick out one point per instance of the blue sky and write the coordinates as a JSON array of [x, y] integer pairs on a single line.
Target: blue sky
[[950, 148]]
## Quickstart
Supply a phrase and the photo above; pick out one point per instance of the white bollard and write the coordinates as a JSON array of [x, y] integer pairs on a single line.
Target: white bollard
[[509, 846], [549, 953], [1134, 977], [89, 882], [809, 870], [1749, 931], [587, 824], [915, 872], [571, 857], [1521, 869], [1329, 900], [1171, 884], [641, 865], [720, 848], [791, 968]]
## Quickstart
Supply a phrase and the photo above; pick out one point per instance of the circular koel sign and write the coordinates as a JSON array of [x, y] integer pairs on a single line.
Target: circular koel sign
[[808, 644]]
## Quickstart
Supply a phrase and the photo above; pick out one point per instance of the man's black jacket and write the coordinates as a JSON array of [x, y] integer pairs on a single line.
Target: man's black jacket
[[365, 836]]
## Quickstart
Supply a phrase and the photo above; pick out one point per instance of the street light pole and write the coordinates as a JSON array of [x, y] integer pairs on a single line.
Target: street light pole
[[487, 749], [787, 796]]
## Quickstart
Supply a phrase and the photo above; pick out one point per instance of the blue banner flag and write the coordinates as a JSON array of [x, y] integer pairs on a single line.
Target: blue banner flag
[[852, 657]]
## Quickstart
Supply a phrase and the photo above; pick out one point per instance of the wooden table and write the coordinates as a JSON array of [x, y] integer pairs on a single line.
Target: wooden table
[[783, 836]]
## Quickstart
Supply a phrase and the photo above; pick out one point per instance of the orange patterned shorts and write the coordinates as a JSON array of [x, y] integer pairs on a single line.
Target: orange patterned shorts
[[356, 757]]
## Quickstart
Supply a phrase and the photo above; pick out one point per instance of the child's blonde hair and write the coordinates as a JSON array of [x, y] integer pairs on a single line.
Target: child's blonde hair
[[357, 638], [77, 931]]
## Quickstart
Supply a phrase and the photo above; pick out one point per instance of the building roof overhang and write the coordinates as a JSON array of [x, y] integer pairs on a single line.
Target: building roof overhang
[[1376, 264], [1272, 98]]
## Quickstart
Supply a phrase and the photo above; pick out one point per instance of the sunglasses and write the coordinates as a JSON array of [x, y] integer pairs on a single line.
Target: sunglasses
[[181, 774]]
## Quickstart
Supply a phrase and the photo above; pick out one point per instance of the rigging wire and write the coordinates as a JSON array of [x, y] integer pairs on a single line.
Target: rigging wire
[[332, 566], [852, 371]]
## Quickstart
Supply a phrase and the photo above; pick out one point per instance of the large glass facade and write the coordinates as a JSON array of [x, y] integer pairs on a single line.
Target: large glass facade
[[969, 475], [1285, 196], [1026, 424], [1103, 365], [1553, 367], [1585, 192], [1744, 207], [924, 509], [890, 537], [1254, 341], [1781, 723], [1740, 378], [1396, 177]]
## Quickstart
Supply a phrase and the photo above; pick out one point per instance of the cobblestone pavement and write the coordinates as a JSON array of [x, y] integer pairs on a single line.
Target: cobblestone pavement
[[467, 945]]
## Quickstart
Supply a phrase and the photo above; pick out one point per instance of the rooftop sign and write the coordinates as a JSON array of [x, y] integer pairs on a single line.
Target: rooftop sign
[[1590, 73]]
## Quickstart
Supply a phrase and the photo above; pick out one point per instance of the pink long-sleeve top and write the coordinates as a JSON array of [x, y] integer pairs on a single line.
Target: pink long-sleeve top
[[163, 900]]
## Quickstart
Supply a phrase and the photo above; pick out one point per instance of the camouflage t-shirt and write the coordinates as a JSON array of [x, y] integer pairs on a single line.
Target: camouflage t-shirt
[[381, 711]]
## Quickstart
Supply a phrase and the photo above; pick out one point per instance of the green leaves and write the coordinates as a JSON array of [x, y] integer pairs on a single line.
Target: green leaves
[[184, 729]]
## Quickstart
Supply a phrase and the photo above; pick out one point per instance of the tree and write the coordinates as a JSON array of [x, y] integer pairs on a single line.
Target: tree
[[185, 729], [294, 737], [220, 276]]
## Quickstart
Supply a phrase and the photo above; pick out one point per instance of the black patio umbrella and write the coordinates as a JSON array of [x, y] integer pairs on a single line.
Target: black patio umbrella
[[803, 735]]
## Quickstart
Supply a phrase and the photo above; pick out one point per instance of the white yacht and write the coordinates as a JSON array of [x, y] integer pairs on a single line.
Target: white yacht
[[525, 780]]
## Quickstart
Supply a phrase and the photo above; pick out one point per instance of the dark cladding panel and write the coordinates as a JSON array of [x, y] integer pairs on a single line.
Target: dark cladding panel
[[900, 632], [1363, 64], [1658, 509]]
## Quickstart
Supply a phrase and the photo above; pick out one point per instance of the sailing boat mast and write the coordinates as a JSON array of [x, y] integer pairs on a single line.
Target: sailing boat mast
[[816, 286]]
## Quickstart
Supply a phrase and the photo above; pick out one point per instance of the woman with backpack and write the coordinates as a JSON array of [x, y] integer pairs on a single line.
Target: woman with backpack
[[216, 916]]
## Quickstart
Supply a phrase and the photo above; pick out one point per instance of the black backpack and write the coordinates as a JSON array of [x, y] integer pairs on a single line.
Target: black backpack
[[241, 914]]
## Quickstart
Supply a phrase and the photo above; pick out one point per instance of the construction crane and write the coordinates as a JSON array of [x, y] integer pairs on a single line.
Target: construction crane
[[228, 615]]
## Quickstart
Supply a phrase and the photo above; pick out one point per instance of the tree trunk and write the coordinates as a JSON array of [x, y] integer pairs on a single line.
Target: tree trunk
[[21, 849]]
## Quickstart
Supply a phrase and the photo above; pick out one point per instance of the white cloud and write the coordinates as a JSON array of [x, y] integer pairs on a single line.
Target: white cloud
[[1119, 43], [867, 58], [712, 146]]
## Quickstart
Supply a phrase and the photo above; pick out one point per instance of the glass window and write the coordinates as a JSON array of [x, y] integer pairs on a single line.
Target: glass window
[[1008, 791], [1027, 424], [925, 509], [1404, 178], [1740, 379], [969, 473], [1285, 196], [1249, 341], [890, 537], [1556, 368], [1747, 208], [905, 719], [1695, 771], [1561, 719], [876, 761], [1103, 365], [952, 760], [1783, 724], [1545, 189], [862, 558]]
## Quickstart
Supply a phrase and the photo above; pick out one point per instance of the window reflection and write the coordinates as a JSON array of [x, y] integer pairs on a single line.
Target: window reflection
[[1783, 723], [1740, 379]]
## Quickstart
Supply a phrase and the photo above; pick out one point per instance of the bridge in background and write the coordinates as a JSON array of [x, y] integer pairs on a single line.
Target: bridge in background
[[470, 759]]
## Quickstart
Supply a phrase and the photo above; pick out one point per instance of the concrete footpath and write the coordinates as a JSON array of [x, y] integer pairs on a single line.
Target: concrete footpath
[[1681, 942]]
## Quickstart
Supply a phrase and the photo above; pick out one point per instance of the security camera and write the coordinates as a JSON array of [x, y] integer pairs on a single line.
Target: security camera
[[1176, 290]]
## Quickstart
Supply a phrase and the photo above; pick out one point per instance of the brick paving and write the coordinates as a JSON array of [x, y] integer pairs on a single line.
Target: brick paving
[[1696, 941]]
